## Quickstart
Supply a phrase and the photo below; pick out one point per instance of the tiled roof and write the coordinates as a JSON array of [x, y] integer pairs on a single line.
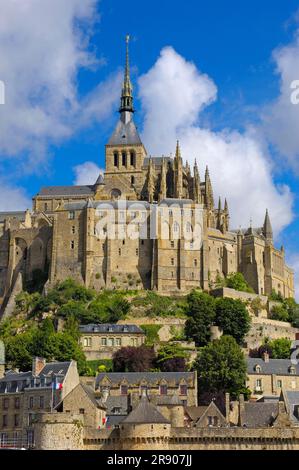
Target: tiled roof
[[17, 215], [274, 366], [293, 403], [195, 412], [55, 368], [152, 378], [145, 412], [156, 160], [260, 415], [179, 202], [66, 191], [110, 328], [117, 401], [125, 133]]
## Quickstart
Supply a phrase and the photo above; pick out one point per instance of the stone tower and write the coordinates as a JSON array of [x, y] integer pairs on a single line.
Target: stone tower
[[125, 152]]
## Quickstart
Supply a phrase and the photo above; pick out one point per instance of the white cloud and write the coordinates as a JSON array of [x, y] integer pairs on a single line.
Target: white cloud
[[13, 199], [42, 48], [281, 118], [87, 173], [173, 93]]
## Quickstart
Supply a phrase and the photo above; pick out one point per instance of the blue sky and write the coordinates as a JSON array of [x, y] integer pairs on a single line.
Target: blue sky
[[233, 43]]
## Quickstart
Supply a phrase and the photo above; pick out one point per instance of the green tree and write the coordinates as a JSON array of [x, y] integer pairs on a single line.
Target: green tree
[[71, 326], [237, 281], [221, 367], [171, 357], [44, 341], [281, 348], [201, 312], [293, 311], [67, 349], [18, 351], [280, 313], [233, 318]]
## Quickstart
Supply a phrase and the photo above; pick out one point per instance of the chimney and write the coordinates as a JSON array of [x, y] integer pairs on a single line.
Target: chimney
[[227, 408], [38, 364], [241, 410], [105, 394], [266, 357]]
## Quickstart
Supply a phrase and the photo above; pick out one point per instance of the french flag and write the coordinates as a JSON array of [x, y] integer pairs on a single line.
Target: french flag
[[57, 386]]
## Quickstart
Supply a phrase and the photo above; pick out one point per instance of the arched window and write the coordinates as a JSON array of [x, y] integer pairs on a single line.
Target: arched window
[[132, 179], [132, 158], [115, 158], [124, 158], [176, 227]]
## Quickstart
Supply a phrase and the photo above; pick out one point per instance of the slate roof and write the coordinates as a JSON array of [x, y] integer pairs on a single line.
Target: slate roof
[[18, 381], [90, 392], [274, 366], [145, 412], [152, 378], [195, 412], [260, 415], [114, 420], [178, 202], [293, 403], [53, 368], [156, 160], [66, 191], [125, 133], [110, 328], [168, 400], [17, 215], [117, 401]]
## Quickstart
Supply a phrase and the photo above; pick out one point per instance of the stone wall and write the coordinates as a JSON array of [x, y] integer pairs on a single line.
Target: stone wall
[[266, 328], [170, 326], [59, 431]]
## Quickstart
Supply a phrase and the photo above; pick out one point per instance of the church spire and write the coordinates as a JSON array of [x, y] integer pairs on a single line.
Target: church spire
[[126, 102], [267, 228]]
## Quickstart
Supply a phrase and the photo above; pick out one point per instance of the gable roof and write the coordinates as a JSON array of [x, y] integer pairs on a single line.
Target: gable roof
[[260, 415], [145, 412], [152, 378], [274, 366], [292, 398], [66, 191]]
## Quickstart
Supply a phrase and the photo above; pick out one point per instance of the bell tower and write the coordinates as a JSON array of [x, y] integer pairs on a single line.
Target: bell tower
[[125, 152]]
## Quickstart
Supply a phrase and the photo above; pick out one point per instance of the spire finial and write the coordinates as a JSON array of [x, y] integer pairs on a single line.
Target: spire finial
[[178, 150], [127, 89]]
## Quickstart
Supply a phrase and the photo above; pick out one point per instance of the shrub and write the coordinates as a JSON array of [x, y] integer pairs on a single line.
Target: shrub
[[151, 332], [237, 281], [280, 313]]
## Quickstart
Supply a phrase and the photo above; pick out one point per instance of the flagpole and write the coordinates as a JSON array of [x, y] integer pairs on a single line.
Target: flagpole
[[52, 395]]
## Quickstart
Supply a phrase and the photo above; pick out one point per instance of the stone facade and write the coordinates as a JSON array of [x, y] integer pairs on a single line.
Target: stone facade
[[101, 341], [268, 377], [25, 394], [61, 235], [243, 426]]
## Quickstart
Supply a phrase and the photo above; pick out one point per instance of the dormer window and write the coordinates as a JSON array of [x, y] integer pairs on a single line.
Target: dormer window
[[258, 369], [292, 370]]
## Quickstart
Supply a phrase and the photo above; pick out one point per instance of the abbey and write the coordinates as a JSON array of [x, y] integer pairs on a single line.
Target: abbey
[[60, 237]]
